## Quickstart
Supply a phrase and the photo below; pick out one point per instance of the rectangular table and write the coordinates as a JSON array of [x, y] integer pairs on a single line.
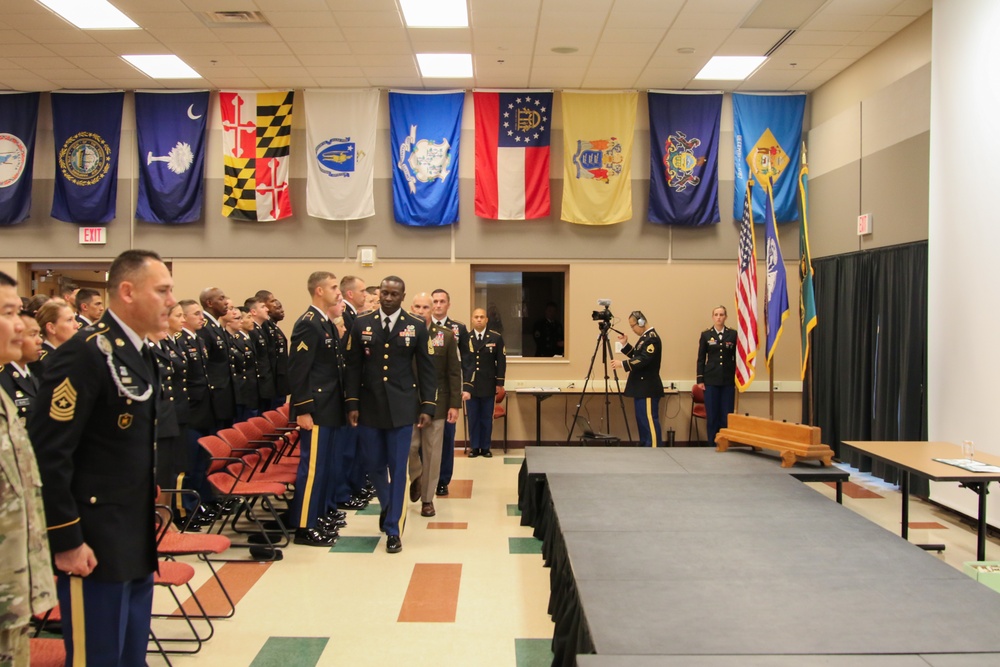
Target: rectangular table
[[917, 457]]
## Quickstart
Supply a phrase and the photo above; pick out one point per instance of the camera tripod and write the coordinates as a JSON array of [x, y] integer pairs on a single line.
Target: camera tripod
[[604, 347]]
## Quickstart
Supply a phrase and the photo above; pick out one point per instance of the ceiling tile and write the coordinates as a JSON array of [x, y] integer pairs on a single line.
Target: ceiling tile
[[77, 50], [174, 36], [156, 19], [413, 82], [556, 78], [341, 82], [334, 72], [389, 72], [25, 82], [289, 81], [778, 79], [237, 82], [269, 6], [130, 7], [456, 36], [870, 38], [796, 51], [664, 78], [367, 5], [815, 79], [632, 35], [362, 48], [256, 62], [836, 64], [824, 37], [632, 14], [109, 37], [873, 7], [195, 49], [321, 48], [892, 23], [911, 8], [699, 20], [827, 21], [853, 52], [42, 19], [33, 50], [704, 42], [283, 19], [247, 34], [328, 60], [260, 49], [321, 35], [38, 64], [376, 19], [355, 34], [10, 37]]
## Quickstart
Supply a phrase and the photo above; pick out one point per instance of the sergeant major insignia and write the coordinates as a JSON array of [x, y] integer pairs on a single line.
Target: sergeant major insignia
[[63, 404]]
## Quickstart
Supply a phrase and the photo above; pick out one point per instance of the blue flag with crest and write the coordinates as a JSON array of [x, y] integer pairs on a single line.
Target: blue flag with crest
[[87, 129], [170, 132], [767, 132], [777, 282], [18, 120], [425, 129], [684, 158]]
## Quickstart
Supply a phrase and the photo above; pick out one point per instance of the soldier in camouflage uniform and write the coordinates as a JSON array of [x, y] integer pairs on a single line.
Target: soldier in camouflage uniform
[[26, 585]]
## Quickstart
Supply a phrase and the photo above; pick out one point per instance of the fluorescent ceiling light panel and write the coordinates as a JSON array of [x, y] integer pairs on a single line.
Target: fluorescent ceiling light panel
[[730, 68], [435, 13], [445, 65], [91, 14], [162, 67]]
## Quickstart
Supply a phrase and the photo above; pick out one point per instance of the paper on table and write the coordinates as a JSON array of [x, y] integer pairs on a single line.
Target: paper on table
[[970, 465]]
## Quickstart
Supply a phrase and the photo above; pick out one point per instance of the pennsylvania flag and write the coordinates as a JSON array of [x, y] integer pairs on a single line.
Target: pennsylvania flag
[[87, 130], [18, 120], [777, 284], [597, 157], [807, 295], [513, 132], [425, 129], [170, 129], [767, 131], [256, 137], [684, 158]]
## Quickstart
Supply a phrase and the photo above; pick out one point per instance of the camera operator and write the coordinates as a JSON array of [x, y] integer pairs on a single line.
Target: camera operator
[[644, 384]]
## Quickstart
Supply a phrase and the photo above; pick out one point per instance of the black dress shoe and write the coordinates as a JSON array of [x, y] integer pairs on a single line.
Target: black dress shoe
[[266, 553], [330, 524], [353, 504], [486, 454], [474, 453], [393, 544], [329, 531], [381, 519], [311, 537], [271, 526], [415, 490], [442, 490], [336, 514]]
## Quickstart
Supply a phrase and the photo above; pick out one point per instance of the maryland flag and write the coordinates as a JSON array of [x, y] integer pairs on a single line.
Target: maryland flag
[[256, 137]]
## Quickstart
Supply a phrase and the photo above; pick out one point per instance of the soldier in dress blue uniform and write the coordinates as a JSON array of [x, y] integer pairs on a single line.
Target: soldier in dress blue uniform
[[356, 496], [215, 305], [16, 379], [277, 347], [201, 418], [243, 363], [644, 385], [487, 369], [262, 353], [56, 320], [94, 432], [89, 306], [315, 374], [717, 372], [390, 387], [440, 304]]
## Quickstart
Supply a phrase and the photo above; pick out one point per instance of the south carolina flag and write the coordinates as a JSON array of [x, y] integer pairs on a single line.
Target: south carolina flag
[[512, 154], [256, 142], [597, 160]]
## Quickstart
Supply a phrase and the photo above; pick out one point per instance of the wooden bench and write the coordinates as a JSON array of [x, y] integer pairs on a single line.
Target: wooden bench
[[794, 442]]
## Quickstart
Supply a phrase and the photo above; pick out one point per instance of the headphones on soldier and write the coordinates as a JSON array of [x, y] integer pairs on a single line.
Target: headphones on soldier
[[640, 319]]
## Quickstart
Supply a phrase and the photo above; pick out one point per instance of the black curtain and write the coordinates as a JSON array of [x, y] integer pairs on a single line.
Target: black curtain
[[869, 352]]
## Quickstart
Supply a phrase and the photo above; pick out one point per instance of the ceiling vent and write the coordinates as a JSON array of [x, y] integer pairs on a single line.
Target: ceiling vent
[[778, 44], [235, 18]]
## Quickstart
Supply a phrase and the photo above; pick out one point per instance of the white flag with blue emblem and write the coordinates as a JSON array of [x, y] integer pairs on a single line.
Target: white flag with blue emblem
[[340, 135]]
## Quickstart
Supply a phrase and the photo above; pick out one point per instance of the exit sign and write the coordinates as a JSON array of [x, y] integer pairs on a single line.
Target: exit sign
[[864, 224], [93, 235]]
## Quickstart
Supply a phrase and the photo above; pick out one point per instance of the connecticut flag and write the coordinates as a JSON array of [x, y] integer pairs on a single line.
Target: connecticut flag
[[256, 137], [512, 154]]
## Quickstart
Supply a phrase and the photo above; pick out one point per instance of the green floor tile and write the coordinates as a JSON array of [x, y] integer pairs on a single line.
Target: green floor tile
[[512, 510], [513, 460], [290, 652], [533, 652], [355, 545], [524, 545], [373, 508]]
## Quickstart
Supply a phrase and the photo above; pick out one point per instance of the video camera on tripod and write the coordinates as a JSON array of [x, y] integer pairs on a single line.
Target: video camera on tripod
[[603, 316]]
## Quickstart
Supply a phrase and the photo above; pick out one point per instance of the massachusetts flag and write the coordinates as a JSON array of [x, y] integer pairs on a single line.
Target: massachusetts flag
[[87, 129], [512, 154], [170, 131], [777, 285], [256, 137], [18, 120], [340, 138], [684, 158], [597, 157], [767, 131], [425, 129]]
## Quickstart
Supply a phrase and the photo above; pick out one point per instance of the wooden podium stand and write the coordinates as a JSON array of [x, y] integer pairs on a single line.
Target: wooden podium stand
[[795, 442]]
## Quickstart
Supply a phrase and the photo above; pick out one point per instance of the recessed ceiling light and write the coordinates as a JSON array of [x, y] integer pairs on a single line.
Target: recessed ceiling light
[[445, 65], [435, 13], [91, 14], [564, 49], [730, 68], [162, 67], [685, 50]]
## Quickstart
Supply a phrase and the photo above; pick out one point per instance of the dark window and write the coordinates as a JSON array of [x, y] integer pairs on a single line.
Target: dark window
[[526, 306]]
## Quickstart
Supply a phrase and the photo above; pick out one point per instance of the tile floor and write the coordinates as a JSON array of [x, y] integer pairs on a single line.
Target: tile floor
[[468, 588]]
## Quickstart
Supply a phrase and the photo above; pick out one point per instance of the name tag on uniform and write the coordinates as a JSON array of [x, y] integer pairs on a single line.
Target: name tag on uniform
[[712, 341]]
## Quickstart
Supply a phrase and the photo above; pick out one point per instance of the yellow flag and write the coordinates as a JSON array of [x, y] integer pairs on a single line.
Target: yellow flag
[[597, 157]]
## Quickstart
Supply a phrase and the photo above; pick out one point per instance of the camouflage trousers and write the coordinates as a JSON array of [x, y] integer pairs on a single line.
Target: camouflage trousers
[[14, 644]]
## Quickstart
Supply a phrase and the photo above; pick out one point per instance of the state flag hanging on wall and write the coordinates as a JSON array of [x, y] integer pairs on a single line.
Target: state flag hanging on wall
[[18, 121], [512, 154], [86, 129], [340, 133], [684, 158], [598, 130], [767, 131], [170, 132], [425, 129], [256, 138]]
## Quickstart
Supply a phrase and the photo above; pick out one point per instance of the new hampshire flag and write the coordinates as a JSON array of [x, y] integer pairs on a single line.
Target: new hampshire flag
[[425, 129], [340, 141], [170, 128], [18, 120], [87, 130], [767, 131]]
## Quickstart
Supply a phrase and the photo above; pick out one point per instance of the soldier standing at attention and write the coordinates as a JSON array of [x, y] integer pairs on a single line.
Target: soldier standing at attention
[[717, 372], [440, 304], [488, 367], [222, 393], [25, 571], [390, 387], [93, 429], [16, 379]]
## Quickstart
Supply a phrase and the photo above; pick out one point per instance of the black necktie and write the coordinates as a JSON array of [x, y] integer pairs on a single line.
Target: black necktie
[[385, 325]]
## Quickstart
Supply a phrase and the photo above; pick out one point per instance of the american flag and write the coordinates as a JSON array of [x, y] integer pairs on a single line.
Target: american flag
[[746, 299]]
